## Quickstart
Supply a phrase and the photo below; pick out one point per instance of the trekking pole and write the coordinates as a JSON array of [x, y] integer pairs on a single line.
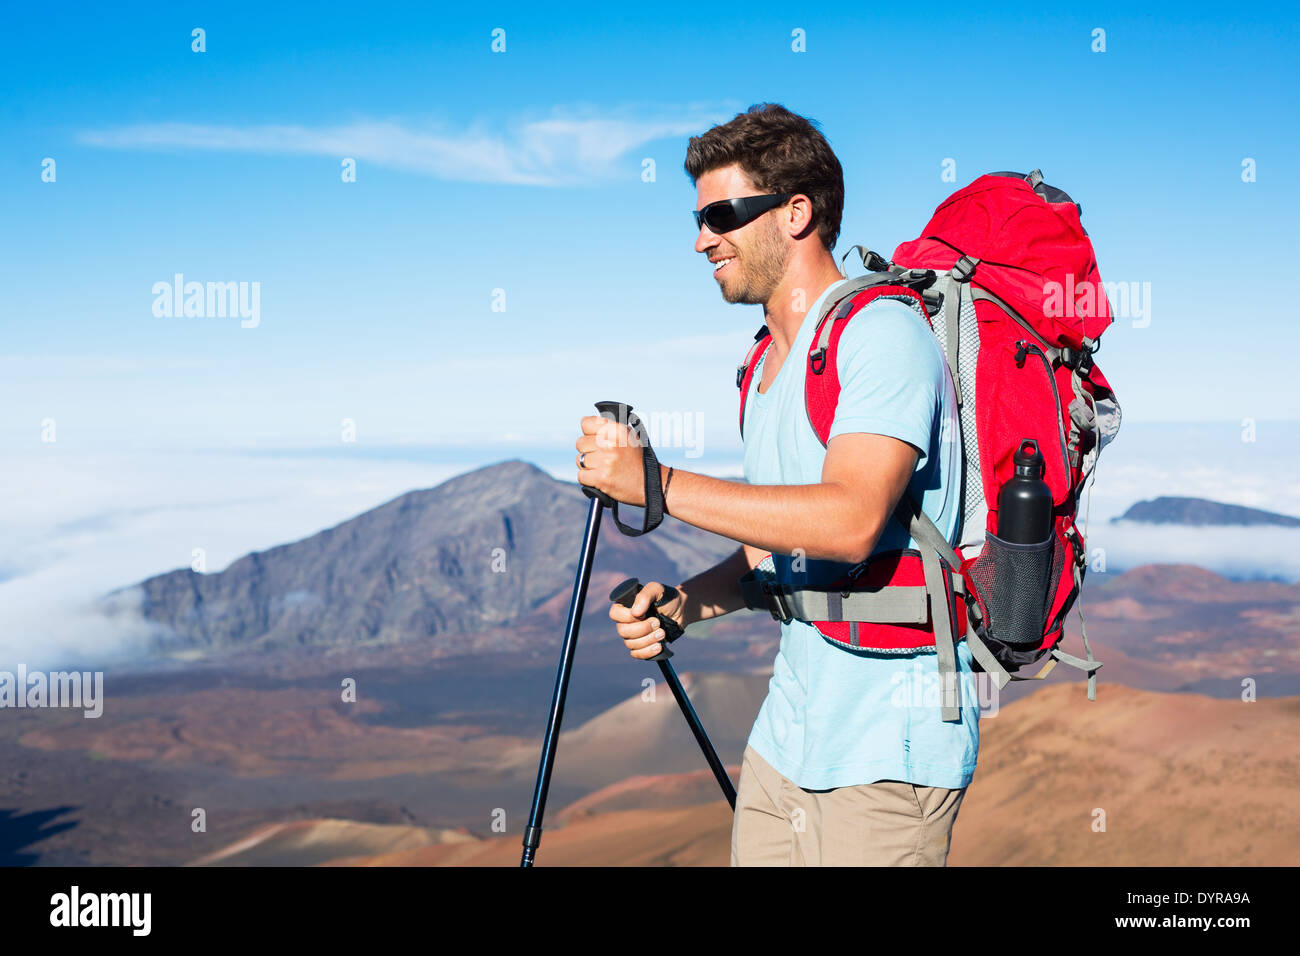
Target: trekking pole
[[533, 834], [625, 594], [616, 411], [654, 512]]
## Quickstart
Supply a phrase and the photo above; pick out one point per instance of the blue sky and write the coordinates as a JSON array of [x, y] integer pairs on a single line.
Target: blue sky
[[522, 171]]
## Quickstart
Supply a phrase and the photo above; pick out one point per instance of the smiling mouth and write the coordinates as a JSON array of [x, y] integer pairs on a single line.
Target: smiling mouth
[[721, 262]]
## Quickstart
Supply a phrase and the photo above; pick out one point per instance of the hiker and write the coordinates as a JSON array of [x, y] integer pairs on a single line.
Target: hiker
[[851, 760]]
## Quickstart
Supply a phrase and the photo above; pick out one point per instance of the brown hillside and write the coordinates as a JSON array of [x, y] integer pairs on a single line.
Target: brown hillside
[[1184, 780]]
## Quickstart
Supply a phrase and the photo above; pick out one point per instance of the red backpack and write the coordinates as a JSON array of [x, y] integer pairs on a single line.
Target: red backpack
[[1005, 277]]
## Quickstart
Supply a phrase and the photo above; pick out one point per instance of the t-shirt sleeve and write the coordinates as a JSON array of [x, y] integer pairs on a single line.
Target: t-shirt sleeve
[[892, 376]]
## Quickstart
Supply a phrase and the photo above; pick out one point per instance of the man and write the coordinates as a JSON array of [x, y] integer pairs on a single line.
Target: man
[[849, 761]]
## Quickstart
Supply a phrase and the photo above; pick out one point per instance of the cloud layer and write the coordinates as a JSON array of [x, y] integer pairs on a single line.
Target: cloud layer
[[564, 149]]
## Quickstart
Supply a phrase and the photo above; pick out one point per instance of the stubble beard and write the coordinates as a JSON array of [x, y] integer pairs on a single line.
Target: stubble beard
[[761, 268]]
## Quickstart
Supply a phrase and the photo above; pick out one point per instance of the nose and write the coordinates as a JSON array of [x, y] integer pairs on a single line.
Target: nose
[[706, 240]]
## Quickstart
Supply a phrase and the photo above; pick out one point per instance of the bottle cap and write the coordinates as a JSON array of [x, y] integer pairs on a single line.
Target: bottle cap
[[1028, 461]]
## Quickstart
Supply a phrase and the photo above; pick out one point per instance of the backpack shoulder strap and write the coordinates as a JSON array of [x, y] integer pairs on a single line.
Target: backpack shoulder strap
[[745, 370], [856, 294], [822, 381]]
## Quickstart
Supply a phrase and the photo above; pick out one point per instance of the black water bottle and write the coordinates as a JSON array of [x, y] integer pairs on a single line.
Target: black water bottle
[[1025, 501]]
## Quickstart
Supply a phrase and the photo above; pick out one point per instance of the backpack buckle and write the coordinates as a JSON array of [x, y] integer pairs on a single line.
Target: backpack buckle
[[1071, 535], [817, 361], [964, 268], [875, 262], [917, 278], [1079, 360], [778, 608], [853, 575]]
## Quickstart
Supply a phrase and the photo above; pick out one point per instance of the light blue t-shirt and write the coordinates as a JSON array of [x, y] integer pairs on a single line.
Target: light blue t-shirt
[[836, 716]]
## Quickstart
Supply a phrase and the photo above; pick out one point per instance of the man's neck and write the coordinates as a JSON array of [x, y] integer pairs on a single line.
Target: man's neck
[[788, 306]]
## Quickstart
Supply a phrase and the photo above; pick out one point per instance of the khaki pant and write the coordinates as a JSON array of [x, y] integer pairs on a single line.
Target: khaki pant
[[887, 823]]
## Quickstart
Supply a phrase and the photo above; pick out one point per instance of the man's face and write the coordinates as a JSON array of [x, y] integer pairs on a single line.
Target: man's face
[[753, 257]]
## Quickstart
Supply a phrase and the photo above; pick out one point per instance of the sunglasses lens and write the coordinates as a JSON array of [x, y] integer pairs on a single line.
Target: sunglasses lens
[[724, 219], [720, 216]]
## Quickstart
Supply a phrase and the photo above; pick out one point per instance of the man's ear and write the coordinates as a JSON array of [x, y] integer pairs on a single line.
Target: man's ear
[[801, 219]]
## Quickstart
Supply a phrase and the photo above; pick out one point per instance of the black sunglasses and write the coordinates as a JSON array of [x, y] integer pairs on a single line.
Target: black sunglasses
[[728, 214]]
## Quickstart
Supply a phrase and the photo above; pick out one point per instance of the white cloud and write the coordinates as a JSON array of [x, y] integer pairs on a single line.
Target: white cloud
[[76, 526], [1235, 552], [568, 147]]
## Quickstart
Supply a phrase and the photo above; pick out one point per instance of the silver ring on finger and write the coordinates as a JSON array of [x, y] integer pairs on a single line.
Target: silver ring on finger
[[582, 460]]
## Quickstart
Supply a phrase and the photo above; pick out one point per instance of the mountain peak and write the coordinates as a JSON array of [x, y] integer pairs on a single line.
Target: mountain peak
[[489, 548]]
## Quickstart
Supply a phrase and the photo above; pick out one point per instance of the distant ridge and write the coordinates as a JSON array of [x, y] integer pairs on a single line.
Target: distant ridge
[[1198, 512], [485, 549]]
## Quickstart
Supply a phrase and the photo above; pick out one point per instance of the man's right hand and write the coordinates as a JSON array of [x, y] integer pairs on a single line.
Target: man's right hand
[[638, 625]]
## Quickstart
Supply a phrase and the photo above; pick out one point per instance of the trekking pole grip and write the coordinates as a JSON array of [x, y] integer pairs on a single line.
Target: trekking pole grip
[[621, 412], [618, 412], [625, 594]]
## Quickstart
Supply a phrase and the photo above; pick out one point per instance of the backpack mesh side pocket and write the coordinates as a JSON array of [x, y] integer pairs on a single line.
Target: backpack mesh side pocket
[[1016, 584]]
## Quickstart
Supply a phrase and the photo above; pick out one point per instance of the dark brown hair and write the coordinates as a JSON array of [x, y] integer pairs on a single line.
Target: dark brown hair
[[781, 152]]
